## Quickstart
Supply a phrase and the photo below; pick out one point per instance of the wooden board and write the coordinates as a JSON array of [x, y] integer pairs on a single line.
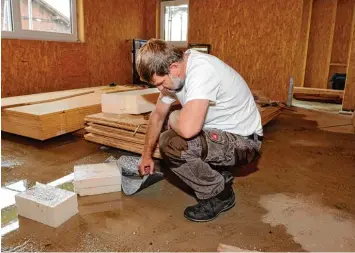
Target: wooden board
[[349, 93], [118, 144], [50, 119], [59, 95], [269, 113], [257, 38], [320, 43], [302, 48], [131, 102], [43, 97], [342, 32], [136, 123], [119, 136], [315, 94], [112, 130]]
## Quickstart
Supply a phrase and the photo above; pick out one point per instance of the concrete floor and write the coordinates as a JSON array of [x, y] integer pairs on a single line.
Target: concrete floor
[[300, 196]]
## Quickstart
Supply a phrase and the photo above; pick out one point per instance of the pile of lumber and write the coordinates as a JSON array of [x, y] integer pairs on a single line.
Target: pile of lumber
[[320, 95], [123, 131], [46, 115], [127, 132]]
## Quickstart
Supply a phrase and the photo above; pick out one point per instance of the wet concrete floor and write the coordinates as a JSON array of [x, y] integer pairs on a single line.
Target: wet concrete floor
[[299, 196]]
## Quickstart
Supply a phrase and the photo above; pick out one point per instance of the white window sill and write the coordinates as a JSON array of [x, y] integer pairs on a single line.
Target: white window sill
[[39, 35]]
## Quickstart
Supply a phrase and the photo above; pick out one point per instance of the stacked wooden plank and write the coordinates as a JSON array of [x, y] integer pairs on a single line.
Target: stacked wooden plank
[[123, 131], [320, 95], [43, 116], [127, 132]]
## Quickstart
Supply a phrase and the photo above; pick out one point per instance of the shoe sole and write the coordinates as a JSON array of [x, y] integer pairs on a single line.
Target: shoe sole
[[223, 210]]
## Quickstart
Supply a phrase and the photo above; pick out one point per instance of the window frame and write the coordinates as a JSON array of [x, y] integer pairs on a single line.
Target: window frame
[[164, 4], [19, 33]]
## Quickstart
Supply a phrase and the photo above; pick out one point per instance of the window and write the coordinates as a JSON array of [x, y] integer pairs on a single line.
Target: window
[[174, 22], [39, 19]]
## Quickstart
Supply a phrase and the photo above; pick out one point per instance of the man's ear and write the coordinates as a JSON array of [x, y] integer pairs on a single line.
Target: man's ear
[[174, 65]]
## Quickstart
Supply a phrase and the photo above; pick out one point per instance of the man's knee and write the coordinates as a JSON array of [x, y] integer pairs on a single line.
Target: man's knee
[[171, 144]]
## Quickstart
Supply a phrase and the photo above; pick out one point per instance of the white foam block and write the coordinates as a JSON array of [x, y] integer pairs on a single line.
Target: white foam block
[[98, 190], [47, 204], [96, 175]]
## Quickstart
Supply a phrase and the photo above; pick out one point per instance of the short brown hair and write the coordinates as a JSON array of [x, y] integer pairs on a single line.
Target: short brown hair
[[155, 57]]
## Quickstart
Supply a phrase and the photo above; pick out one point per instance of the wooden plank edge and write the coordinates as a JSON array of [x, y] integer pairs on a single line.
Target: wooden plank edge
[[114, 143]]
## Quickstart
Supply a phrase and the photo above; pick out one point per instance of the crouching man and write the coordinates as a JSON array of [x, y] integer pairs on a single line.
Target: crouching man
[[219, 125]]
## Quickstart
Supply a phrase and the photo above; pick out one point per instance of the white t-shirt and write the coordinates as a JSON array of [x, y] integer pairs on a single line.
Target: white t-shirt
[[232, 106]]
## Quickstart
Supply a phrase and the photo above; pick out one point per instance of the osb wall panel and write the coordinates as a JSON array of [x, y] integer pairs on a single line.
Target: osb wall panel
[[301, 55], [257, 38], [342, 32], [320, 43], [349, 94], [41, 66]]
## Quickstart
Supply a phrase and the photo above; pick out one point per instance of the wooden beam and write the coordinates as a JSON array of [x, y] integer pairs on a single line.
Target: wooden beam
[[315, 94], [320, 43], [302, 48], [349, 95]]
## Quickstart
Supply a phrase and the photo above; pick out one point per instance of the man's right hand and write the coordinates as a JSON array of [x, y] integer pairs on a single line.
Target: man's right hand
[[146, 165]]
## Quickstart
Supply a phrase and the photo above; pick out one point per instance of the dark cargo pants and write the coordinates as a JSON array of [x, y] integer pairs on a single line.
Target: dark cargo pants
[[193, 160]]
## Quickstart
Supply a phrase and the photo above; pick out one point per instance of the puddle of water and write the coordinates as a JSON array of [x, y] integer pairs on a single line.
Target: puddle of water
[[315, 227], [62, 180], [7, 197], [8, 215], [69, 186], [10, 162], [9, 228], [19, 186]]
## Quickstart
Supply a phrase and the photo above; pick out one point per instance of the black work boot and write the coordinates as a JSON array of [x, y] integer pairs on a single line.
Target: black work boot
[[209, 209]]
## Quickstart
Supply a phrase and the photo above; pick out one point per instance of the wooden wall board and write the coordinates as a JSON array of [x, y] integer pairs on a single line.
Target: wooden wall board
[[257, 38], [342, 32], [34, 66], [302, 48], [320, 43], [349, 93]]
